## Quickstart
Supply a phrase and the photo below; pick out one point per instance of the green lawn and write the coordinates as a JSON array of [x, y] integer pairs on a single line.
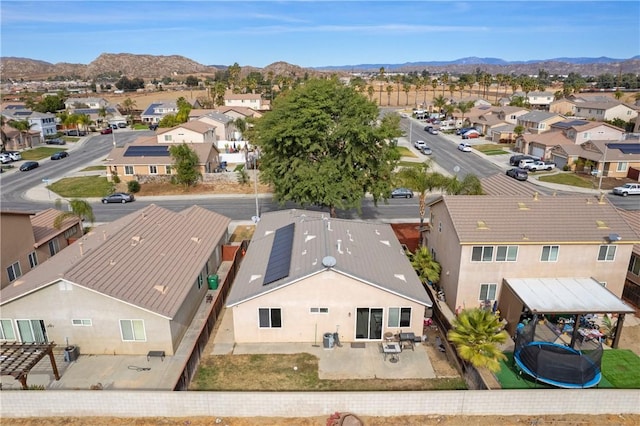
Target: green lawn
[[405, 152], [92, 168], [140, 127], [39, 153], [82, 187], [620, 370], [71, 138], [409, 164], [570, 179], [490, 149]]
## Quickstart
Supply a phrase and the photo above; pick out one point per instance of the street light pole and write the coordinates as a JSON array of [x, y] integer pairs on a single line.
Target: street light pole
[[604, 164]]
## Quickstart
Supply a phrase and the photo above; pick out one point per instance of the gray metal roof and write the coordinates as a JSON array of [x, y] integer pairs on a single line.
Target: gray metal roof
[[566, 295], [366, 251]]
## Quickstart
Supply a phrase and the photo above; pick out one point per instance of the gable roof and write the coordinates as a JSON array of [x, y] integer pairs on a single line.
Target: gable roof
[[501, 184], [537, 116], [550, 138], [150, 258], [43, 229], [633, 219], [365, 251], [535, 220]]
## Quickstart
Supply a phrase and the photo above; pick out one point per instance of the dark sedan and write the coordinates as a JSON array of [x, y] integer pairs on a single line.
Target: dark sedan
[[59, 155], [402, 193], [118, 197], [29, 165], [55, 141], [518, 173]]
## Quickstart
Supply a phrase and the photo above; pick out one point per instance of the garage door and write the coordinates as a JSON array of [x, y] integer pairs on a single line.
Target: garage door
[[537, 152], [560, 161]]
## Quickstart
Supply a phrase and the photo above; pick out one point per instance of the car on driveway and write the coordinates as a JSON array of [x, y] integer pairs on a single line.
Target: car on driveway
[[471, 134], [14, 155], [402, 193], [464, 147], [514, 160], [464, 130], [4, 158], [518, 173], [29, 165], [59, 155], [627, 189], [55, 141], [419, 144], [118, 197], [106, 131]]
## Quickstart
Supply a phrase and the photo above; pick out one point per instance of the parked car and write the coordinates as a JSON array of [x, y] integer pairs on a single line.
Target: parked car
[[464, 147], [75, 132], [114, 126], [627, 189], [118, 197], [514, 160], [14, 155], [4, 158], [153, 126], [59, 155], [464, 130], [419, 144], [56, 141], [122, 125], [518, 173], [106, 131], [426, 150], [525, 163], [433, 131], [402, 193], [29, 165], [471, 134], [541, 165]]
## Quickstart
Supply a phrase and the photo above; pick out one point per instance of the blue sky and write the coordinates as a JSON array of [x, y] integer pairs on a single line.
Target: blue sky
[[319, 33]]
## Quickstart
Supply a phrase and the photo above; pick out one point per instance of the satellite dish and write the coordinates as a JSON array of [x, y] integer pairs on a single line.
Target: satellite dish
[[329, 261]]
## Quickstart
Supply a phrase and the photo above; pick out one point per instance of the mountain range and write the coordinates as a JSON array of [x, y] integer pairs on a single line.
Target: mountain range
[[159, 66]]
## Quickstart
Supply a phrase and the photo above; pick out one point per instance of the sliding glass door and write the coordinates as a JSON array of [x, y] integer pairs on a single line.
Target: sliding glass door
[[369, 323]]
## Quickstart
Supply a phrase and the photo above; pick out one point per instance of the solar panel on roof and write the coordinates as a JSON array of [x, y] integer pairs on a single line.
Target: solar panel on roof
[[625, 148], [280, 256], [147, 151]]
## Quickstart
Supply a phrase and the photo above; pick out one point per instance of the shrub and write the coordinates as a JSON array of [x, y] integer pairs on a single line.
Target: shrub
[[133, 186], [116, 179]]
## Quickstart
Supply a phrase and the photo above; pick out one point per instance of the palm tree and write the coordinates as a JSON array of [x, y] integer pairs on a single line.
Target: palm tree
[[421, 180], [381, 78], [439, 102], [102, 113], [79, 208], [444, 79], [128, 105], [428, 269], [389, 92], [418, 84], [464, 107], [406, 87], [469, 185], [476, 334], [85, 121], [398, 80], [370, 92], [22, 126], [434, 86]]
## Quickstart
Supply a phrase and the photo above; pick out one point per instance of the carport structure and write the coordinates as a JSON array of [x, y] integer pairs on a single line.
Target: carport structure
[[17, 359], [559, 296]]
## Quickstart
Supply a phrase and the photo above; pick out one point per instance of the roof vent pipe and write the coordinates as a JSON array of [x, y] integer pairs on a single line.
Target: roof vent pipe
[[81, 251]]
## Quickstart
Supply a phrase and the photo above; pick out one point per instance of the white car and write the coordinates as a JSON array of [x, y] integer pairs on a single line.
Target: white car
[[14, 155], [627, 189], [419, 145], [4, 158], [464, 147]]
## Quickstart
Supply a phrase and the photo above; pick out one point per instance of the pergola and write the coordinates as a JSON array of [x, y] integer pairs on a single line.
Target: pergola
[[17, 359], [560, 296]]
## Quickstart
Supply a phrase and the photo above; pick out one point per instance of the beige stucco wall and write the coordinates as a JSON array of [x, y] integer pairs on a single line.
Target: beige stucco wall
[[182, 135], [59, 303], [16, 243], [341, 294]]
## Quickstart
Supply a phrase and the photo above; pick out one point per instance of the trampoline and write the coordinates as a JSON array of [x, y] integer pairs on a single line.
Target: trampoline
[[556, 364]]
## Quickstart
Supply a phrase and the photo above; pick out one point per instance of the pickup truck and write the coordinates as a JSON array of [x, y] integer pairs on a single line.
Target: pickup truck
[[540, 165], [627, 189]]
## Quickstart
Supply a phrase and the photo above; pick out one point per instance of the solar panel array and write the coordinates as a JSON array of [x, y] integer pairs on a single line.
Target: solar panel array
[[625, 148], [280, 256], [147, 151]]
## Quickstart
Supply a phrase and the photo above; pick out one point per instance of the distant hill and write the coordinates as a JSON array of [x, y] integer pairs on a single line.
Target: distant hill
[[154, 66]]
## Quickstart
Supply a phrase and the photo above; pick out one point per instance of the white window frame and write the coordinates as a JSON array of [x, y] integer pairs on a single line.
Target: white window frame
[[318, 310], [54, 247], [510, 253], [549, 256], [128, 170], [482, 253], [622, 166], [608, 248], [33, 259], [81, 323], [133, 330], [15, 270], [270, 317], [168, 138], [486, 288], [153, 170], [168, 170], [397, 317], [7, 325]]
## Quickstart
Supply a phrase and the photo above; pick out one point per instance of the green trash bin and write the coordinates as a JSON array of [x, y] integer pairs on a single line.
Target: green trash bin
[[213, 282]]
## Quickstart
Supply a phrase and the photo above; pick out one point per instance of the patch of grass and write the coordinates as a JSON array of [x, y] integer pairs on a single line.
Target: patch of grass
[[490, 149], [242, 232], [71, 138], [621, 367], [82, 187], [140, 127], [269, 372], [570, 179], [92, 168], [39, 153], [409, 164], [405, 152]]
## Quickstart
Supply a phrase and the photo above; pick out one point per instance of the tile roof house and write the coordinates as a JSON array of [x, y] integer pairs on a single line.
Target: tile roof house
[[248, 100], [481, 241], [156, 110], [614, 158], [608, 111], [538, 121], [90, 103], [43, 123], [126, 287], [631, 292], [29, 239], [306, 274], [537, 100], [148, 158], [14, 140], [222, 124]]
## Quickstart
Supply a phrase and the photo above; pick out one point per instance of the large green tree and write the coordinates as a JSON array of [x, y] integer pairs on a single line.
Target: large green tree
[[469, 185], [427, 268], [186, 164], [325, 144], [476, 334]]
